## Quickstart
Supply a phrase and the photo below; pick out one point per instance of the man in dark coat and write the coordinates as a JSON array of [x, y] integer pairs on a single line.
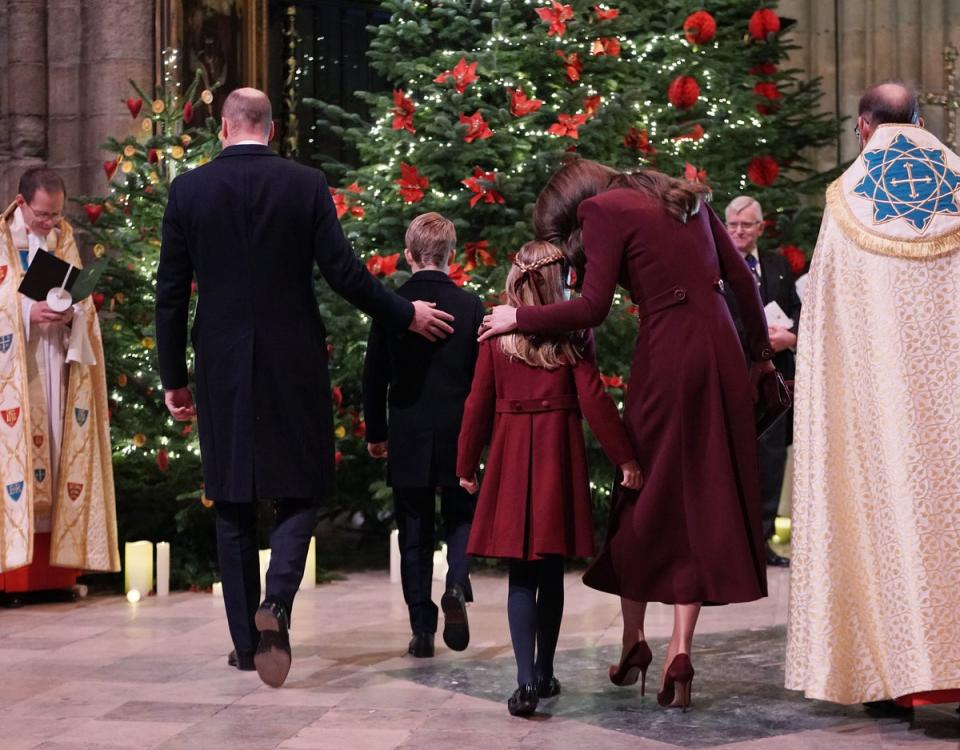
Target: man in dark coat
[[777, 284], [249, 227], [428, 383]]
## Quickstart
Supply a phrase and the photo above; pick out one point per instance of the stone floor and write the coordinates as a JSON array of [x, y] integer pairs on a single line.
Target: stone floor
[[103, 673]]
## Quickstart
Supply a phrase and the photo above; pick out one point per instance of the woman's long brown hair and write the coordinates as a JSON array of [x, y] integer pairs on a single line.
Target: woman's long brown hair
[[536, 278], [555, 212]]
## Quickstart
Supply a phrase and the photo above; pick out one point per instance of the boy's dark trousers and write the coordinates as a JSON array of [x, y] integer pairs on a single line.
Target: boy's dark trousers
[[415, 513]]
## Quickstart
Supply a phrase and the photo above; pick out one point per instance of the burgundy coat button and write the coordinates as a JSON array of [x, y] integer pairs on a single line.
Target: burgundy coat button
[[679, 294], [545, 403]]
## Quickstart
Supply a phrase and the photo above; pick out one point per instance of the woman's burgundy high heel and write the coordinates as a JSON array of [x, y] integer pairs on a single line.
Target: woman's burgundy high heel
[[677, 683], [634, 664]]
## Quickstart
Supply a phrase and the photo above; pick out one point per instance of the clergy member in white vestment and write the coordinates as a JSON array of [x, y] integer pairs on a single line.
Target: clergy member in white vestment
[[56, 475], [875, 586]]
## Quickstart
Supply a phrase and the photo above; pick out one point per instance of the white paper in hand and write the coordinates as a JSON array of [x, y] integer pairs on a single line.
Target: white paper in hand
[[776, 316]]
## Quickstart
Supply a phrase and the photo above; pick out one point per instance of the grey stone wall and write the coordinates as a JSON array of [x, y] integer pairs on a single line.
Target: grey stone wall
[[64, 67]]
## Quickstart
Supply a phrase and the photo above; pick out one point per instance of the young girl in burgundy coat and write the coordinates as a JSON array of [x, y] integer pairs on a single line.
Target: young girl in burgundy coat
[[534, 508]]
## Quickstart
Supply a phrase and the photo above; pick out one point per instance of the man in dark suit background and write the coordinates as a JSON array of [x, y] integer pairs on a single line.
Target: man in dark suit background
[[427, 383], [777, 284], [249, 227]]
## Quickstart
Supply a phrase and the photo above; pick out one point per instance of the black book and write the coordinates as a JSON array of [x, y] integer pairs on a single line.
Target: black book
[[47, 271]]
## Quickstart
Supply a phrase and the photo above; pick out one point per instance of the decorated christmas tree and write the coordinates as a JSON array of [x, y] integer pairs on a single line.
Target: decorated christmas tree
[[490, 97], [156, 461]]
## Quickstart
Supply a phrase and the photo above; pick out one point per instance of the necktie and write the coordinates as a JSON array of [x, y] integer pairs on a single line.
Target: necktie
[[752, 265]]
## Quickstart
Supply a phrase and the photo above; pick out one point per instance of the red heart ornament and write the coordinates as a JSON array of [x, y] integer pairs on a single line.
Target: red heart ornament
[[110, 168], [135, 105], [93, 211]]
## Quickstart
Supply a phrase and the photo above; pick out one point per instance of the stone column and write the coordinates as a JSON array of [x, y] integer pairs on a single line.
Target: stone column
[[26, 89]]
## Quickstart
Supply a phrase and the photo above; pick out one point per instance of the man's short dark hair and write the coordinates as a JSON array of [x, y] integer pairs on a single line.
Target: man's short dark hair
[[248, 108], [890, 102], [40, 178]]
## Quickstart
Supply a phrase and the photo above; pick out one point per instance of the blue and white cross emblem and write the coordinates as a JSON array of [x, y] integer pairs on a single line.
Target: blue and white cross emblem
[[905, 181]]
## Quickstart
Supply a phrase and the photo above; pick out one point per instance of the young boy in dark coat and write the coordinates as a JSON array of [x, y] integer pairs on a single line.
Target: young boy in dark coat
[[425, 384]]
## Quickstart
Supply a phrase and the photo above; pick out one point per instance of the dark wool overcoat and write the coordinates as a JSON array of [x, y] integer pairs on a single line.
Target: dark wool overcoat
[[251, 228]]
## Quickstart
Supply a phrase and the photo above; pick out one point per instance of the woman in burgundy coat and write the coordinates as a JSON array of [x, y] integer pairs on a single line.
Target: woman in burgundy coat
[[692, 535], [534, 507]]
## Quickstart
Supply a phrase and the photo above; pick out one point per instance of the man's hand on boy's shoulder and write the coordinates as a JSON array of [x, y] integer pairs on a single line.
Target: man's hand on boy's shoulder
[[377, 450]]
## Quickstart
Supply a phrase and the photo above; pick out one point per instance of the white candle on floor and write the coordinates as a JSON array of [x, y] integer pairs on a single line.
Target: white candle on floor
[[310, 569], [395, 556], [264, 565], [163, 568], [138, 567]]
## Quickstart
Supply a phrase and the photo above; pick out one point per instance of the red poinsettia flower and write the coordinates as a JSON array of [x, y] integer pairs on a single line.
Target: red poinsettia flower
[[462, 75], [605, 14], [477, 127], [134, 105], [457, 274], [692, 174], [573, 65], [700, 27], [609, 46], [412, 183], [694, 134], [763, 23], [110, 167], [763, 69], [520, 105], [478, 250], [383, 265], [763, 170], [482, 184], [566, 125], [403, 109], [796, 258], [340, 201], [591, 104], [613, 381], [557, 15], [638, 141], [683, 92]]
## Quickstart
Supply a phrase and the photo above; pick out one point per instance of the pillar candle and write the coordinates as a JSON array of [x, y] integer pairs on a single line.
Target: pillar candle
[[264, 564], [138, 567], [310, 569], [395, 556], [440, 563], [163, 568], [218, 589]]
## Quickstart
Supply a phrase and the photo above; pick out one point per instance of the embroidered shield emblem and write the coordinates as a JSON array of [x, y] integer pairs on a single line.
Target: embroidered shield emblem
[[6, 341], [38, 440], [10, 416], [3, 273], [15, 489], [81, 415], [74, 489], [39, 475]]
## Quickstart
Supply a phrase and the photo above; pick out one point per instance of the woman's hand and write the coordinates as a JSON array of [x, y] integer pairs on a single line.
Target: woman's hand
[[470, 485], [501, 319], [632, 475]]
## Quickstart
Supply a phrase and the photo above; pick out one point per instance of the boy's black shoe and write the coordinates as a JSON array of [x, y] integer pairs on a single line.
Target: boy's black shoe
[[272, 658], [421, 645], [456, 630], [242, 661]]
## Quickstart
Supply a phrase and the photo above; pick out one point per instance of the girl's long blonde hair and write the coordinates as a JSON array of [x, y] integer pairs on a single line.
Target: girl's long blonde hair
[[536, 278]]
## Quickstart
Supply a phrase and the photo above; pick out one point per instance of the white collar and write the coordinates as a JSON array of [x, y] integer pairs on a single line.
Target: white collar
[[249, 143]]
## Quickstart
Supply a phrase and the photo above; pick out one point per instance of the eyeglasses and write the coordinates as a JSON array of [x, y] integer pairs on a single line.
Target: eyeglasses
[[45, 215], [856, 130], [735, 225]]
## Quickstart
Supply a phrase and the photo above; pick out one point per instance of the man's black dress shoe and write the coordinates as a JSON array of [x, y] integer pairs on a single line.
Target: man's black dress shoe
[[421, 645], [243, 662], [775, 560], [524, 700], [456, 631], [887, 709], [272, 658], [548, 688]]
